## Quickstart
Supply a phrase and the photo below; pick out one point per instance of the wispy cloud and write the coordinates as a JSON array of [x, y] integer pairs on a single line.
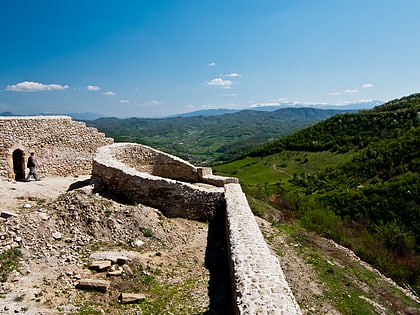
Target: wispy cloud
[[231, 94], [28, 86], [212, 64], [110, 93], [124, 101], [93, 88], [233, 75], [153, 103], [226, 84], [334, 93], [367, 86], [351, 91]]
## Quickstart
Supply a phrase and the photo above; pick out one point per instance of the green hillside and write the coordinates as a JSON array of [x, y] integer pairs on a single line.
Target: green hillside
[[207, 139], [354, 177]]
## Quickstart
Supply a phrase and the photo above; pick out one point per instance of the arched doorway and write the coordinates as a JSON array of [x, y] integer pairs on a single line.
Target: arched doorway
[[19, 164]]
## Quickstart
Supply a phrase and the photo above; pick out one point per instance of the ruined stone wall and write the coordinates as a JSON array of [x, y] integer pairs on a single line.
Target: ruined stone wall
[[118, 168], [258, 283], [149, 160], [62, 146]]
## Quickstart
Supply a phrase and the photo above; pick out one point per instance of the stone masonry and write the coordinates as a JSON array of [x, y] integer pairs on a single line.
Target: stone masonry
[[174, 195], [259, 285], [145, 175], [62, 146], [177, 188]]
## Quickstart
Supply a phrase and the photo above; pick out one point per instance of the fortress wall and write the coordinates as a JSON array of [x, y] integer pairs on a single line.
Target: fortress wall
[[258, 283], [62, 146], [147, 159], [175, 198]]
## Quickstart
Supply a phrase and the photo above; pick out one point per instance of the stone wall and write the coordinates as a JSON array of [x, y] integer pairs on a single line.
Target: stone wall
[[62, 146], [129, 170], [258, 283]]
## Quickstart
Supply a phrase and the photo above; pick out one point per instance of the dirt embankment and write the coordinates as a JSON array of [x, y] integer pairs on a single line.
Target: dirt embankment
[[62, 225]]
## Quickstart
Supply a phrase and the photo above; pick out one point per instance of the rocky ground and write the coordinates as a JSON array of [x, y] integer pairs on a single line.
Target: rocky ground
[[61, 225]]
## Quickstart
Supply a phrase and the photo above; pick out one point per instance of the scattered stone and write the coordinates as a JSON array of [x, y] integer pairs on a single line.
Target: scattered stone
[[126, 298], [14, 276], [138, 243], [94, 284], [100, 265], [127, 270], [57, 236], [115, 273], [7, 214], [27, 205], [114, 257], [43, 216]]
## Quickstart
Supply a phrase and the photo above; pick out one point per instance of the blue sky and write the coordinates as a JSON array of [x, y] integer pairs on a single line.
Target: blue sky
[[156, 58]]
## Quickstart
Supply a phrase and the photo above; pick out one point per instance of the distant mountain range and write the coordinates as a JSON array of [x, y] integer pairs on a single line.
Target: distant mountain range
[[282, 105], [222, 111], [203, 139]]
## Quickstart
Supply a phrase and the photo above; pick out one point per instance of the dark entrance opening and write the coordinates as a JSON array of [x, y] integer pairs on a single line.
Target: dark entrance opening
[[19, 164]]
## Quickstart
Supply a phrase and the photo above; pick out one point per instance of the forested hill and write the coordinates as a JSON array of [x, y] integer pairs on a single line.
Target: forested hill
[[205, 139], [353, 131], [355, 178]]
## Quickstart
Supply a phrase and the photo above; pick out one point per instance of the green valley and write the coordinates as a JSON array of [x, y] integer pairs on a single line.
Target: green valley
[[354, 178], [208, 139]]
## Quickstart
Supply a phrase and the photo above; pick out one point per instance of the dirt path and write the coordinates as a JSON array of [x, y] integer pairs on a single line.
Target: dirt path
[[14, 194]]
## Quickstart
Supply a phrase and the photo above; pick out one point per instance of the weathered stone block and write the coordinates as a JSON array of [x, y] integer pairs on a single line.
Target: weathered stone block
[[100, 265], [126, 298], [94, 284]]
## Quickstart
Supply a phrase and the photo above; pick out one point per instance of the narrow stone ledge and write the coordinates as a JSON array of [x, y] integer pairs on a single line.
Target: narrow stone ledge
[[256, 292]]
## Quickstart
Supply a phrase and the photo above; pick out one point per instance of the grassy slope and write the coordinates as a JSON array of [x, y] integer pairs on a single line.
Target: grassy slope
[[353, 178]]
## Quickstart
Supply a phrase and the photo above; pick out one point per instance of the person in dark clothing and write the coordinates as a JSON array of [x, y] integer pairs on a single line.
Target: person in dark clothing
[[32, 165]]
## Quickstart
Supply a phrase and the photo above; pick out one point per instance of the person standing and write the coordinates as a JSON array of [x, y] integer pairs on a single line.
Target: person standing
[[32, 165]]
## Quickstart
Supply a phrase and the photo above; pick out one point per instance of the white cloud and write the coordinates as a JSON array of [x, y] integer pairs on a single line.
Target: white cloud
[[110, 93], [212, 64], [226, 84], [124, 101], [93, 88], [367, 86], [28, 86], [233, 75], [351, 91], [231, 94], [153, 103]]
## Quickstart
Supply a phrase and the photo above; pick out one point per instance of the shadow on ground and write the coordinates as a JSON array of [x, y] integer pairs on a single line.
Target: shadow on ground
[[216, 261]]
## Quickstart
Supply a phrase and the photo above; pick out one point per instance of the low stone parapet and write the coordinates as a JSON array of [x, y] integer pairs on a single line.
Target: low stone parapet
[[259, 284], [175, 198]]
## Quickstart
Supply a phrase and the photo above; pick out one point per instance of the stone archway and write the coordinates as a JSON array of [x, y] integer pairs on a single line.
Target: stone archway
[[19, 164]]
